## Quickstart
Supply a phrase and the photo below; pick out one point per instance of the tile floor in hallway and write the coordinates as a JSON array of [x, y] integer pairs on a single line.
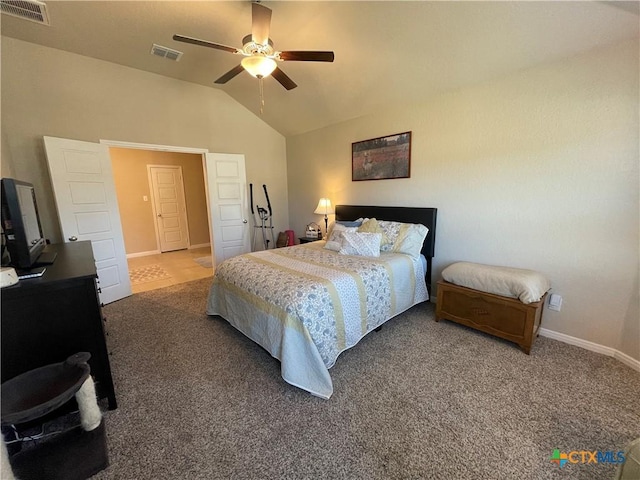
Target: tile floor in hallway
[[170, 268]]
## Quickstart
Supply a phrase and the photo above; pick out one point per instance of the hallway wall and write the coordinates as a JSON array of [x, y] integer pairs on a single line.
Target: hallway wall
[[132, 184]]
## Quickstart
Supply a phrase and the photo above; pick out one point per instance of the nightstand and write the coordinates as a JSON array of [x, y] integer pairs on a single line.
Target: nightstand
[[308, 240]]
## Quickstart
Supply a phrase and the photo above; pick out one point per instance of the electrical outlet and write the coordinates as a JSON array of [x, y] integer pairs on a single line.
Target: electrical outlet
[[555, 302]]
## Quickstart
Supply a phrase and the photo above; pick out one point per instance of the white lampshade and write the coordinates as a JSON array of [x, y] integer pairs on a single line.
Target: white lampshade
[[324, 207], [259, 66]]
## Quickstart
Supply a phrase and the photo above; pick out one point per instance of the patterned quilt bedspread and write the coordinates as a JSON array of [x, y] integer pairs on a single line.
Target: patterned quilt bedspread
[[305, 304]]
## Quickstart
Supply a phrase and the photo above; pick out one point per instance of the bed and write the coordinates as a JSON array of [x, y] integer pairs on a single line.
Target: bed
[[305, 304]]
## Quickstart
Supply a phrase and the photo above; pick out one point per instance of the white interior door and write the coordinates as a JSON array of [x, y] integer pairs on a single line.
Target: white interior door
[[169, 206], [88, 208], [227, 189]]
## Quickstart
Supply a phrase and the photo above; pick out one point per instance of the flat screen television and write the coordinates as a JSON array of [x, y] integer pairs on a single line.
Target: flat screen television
[[21, 224]]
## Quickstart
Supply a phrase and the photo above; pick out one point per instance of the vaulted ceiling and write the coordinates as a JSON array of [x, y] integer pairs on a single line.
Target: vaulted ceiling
[[386, 53]]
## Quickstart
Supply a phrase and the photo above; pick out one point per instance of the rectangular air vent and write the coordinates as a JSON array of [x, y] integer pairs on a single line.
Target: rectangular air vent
[[166, 52], [31, 10]]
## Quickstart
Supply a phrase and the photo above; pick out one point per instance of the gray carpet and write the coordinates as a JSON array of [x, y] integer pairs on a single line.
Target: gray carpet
[[417, 400]]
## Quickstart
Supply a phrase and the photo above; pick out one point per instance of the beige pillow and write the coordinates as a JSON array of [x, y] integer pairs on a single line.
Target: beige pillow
[[372, 226]]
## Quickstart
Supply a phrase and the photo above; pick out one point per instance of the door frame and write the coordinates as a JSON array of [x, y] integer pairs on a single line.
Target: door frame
[[175, 149]]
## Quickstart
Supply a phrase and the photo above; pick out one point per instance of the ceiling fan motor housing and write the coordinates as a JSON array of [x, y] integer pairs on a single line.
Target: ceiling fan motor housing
[[249, 47]]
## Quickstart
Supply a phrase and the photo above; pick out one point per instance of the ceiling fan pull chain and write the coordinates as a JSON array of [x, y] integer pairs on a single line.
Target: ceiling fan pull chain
[[261, 96]]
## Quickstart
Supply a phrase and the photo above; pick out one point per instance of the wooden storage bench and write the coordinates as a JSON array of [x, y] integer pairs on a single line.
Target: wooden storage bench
[[504, 317]]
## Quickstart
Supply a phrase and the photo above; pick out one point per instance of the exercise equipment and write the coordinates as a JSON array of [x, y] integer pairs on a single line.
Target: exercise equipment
[[265, 215]]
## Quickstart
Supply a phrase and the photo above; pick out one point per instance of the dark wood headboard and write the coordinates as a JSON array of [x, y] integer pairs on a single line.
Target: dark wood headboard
[[425, 216]]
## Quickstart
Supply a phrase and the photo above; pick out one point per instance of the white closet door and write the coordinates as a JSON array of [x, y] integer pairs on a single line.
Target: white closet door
[[227, 186], [88, 208]]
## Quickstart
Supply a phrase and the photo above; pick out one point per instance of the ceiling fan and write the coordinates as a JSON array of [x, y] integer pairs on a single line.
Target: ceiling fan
[[259, 55]]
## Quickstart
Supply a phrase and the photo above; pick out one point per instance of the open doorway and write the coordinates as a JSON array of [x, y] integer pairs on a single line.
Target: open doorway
[[150, 265], [87, 166]]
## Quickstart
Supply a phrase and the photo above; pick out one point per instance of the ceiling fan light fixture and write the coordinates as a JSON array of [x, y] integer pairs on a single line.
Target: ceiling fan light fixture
[[258, 54], [259, 66]]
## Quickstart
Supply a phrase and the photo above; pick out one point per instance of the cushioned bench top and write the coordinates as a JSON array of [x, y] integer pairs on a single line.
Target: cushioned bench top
[[526, 285]]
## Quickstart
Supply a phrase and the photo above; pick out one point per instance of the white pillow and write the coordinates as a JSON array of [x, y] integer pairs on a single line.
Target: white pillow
[[410, 239], [346, 223], [360, 243], [334, 242]]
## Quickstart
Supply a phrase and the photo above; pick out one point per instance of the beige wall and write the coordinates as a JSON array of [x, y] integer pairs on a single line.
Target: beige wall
[[537, 170], [130, 175], [48, 92]]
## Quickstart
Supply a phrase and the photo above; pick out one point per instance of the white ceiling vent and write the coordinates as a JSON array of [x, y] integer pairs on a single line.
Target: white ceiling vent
[[166, 52], [28, 9]]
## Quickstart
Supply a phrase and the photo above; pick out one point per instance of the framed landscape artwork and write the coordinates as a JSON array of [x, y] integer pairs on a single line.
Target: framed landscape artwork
[[381, 158]]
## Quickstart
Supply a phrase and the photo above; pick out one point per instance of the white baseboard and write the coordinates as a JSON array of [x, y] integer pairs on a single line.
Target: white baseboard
[[158, 252], [594, 347], [627, 360], [143, 254], [201, 245]]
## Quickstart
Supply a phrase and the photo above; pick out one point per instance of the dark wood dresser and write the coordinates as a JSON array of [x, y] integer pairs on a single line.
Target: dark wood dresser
[[47, 319]]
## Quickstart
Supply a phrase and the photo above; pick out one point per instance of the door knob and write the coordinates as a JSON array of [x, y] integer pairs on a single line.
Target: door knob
[[159, 214], [73, 238], [244, 220]]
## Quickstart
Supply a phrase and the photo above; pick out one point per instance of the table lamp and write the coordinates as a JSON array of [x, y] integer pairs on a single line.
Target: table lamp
[[324, 208]]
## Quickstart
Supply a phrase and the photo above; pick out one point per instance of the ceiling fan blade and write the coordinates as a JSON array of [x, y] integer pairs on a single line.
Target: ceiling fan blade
[[204, 43], [284, 80], [230, 74], [303, 56], [260, 23]]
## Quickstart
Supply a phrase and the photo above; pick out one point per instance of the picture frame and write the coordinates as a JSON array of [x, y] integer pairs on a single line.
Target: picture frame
[[381, 158]]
